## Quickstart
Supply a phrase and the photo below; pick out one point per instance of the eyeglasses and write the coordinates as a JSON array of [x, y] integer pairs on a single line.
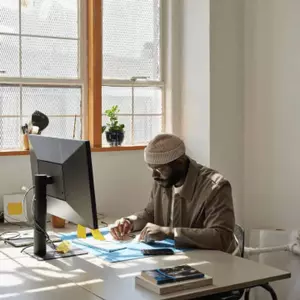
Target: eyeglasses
[[161, 170]]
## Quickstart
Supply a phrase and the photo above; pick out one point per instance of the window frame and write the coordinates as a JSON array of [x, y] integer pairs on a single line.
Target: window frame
[[95, 65], [90, 77]]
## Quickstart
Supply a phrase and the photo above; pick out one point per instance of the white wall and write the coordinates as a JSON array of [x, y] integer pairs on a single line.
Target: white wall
[[227, 94], [195, 85], [272, 106], [122, 181], [212, 67]]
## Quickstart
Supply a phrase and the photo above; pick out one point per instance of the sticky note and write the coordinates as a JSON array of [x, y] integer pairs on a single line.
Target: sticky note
[[81, 232], [15, 208], [97, 235], [63, 247]]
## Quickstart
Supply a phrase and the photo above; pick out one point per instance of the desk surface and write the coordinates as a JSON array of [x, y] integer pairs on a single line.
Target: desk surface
[[88, 277]]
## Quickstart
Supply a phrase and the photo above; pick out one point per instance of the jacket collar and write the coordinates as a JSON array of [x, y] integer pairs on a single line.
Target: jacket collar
[[188, 188]]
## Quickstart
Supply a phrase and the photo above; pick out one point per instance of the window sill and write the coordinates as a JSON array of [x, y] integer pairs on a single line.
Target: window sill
[[121, 148], [15, 152]]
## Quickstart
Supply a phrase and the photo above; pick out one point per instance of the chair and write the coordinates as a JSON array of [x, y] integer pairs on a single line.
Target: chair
[[239, 233], [238, 294]]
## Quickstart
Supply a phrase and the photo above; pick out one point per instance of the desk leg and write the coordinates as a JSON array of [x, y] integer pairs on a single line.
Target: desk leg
[[267, 287]]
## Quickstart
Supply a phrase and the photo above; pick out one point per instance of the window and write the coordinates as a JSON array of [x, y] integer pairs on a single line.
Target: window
[[58, 55], [40, 67], [132, 77]]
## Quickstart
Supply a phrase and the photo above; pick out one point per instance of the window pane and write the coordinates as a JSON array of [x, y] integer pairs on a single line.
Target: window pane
[[51, 100], [9, 16], [127, 121], [63, 128], [10, 129], [9, 101], [50, 18], [147, 101], [121, 96], [9, 56], [49, 58], [146, 128], [131, 38]]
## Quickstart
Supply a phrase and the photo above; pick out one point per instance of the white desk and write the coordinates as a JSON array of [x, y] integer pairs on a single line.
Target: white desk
[[88, 277]]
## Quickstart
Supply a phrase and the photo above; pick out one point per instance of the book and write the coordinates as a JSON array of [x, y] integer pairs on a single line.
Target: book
[[168, 288], [173, 274]]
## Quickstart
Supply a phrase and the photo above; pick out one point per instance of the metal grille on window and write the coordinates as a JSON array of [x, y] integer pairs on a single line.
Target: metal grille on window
[[61, 105], [132, 67], [131, 39], [39, 40], [140, 111], [9, 117]]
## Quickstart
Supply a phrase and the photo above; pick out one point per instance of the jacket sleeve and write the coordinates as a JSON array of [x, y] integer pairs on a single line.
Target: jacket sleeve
[[140, 219], [219, 222]]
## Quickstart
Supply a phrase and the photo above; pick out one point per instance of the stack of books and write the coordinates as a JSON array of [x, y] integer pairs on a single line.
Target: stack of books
[[175, 279]]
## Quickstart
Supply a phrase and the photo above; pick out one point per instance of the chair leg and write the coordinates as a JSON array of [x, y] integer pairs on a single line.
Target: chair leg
[[266, 287], [247, 294]]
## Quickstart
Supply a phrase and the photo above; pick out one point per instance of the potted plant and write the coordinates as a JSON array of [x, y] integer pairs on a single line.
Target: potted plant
[[113, 130]]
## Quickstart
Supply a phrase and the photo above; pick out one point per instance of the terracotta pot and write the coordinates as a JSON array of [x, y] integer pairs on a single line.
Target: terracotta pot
[[57, 222]]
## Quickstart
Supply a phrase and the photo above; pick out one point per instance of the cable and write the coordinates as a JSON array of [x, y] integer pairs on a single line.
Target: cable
[[24, 202], [26, 248], [36, 225], [32, 205], [8, 232]]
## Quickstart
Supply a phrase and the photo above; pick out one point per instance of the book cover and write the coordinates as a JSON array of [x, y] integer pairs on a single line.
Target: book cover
[[173, 274]]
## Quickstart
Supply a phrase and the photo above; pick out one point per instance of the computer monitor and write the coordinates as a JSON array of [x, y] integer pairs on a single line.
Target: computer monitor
[[62, 174]]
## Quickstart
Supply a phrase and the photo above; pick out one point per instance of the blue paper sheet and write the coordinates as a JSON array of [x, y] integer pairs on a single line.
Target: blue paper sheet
[[132, 249]]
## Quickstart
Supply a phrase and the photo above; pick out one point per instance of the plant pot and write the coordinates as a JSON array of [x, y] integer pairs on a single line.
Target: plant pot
[[115, 138], [57, 222]]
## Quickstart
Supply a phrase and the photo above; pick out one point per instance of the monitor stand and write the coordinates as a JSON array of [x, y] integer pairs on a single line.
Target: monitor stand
[[52, 254], [40, 249]]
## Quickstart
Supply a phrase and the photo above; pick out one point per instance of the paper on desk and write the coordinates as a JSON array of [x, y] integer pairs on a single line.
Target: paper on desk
[[81, 232], [97, 235], [94, 244], [126, 238]]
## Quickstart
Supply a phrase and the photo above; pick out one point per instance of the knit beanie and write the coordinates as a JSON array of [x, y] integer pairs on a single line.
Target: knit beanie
[[164, 148]]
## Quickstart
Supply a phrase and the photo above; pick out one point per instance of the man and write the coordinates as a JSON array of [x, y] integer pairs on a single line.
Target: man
[[189, 203]]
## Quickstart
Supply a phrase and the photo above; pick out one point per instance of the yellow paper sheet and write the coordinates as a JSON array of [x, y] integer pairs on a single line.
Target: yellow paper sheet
[[97, 235], [15, 208], [81, 232]]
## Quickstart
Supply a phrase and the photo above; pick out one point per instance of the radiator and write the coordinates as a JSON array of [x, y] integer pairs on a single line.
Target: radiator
[[286, 289]]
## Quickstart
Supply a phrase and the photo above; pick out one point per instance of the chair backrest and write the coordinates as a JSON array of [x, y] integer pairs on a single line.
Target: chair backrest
[[239, 232]]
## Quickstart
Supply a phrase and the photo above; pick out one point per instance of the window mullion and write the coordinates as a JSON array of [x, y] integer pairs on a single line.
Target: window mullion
[[132, 114], [20, 38], [41, 81], [128, 83]]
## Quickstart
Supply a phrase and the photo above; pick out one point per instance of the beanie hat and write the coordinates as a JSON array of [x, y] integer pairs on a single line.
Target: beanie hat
[[163, 149]]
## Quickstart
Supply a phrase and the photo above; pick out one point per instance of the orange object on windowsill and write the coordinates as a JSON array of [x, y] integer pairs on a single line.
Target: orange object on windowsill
[[58, 222], [25, 142]]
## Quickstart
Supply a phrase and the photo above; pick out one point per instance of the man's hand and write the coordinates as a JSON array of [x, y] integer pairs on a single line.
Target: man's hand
[[155, 232], [121, 228]]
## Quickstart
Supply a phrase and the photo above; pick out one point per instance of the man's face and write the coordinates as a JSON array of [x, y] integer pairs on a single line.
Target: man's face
[[167, 175]]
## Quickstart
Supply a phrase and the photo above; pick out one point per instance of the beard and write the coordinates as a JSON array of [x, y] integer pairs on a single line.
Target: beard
[[174, 178]]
